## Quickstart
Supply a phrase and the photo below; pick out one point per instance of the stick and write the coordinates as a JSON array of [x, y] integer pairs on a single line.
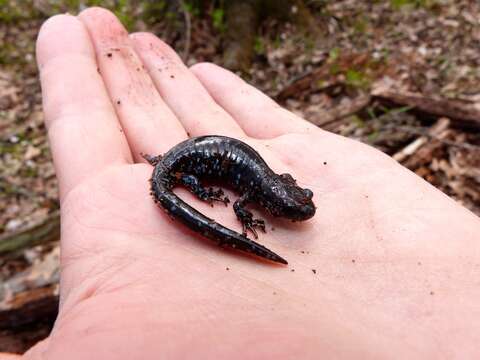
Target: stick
[[31, 294], [461, 115], [340, 112], [439, 127], [47, 230]]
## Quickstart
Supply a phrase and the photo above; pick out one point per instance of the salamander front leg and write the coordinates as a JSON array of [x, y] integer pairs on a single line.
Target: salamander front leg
[[209, 195], [246, 217], [152, 160]]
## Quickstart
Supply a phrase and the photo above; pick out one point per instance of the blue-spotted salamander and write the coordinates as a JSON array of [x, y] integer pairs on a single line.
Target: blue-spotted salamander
[[235, 164]]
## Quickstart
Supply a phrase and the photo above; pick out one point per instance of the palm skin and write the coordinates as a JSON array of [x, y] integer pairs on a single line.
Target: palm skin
[[396, 261]]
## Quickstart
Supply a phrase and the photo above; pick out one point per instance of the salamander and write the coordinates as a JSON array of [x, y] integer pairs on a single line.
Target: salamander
[[235, 164]]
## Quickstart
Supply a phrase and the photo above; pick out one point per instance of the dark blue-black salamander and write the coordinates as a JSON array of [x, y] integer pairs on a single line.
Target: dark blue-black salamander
[[234, 164]]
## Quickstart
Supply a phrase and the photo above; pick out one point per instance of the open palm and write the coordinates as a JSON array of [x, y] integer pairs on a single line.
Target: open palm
[[378, 271]]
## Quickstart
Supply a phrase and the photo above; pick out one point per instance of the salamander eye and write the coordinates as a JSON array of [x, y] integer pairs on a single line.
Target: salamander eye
[[288, 179], [308, 193]]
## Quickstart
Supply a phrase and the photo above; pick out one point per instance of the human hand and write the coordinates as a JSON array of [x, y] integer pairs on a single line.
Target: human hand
[[396, 261]]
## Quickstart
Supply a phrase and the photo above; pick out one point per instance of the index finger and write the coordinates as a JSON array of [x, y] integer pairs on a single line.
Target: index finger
[[85, 135]]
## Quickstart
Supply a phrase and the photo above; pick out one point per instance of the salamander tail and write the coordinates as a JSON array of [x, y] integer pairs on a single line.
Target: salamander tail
[[245, 244], [196, 221]]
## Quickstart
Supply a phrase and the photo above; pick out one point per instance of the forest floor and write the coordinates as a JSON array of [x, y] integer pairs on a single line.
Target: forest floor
[[337, 80]]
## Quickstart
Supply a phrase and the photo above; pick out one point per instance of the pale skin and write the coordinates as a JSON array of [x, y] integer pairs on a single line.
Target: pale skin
[[397, 262]]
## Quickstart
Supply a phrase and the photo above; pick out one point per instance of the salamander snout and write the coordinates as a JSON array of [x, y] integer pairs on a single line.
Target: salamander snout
[[284, 198], [299, 205], [303, 212]]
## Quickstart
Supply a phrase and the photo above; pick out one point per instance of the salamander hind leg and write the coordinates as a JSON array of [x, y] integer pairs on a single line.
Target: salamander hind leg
[[246, 218], [209, 195]]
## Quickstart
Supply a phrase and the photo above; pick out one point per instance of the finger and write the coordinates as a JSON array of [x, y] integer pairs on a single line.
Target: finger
[[149, 124], [7, 356], [182, 91], [84, 133], [258, 115]]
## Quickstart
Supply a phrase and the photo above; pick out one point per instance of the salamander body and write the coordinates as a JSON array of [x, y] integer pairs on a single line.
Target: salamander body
[[232, 163]]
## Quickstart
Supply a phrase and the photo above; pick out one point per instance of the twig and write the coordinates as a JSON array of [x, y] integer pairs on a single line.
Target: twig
[[303, 82], [462, 115], [422, 131], [324, 73], [47, 230], [340, 112], [31, 294], [439, 127]]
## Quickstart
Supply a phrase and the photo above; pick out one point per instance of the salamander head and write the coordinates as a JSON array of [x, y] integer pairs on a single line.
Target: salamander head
[[286, 199]]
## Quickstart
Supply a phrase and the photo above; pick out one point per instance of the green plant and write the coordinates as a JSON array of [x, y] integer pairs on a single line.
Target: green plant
[[397, 4], [357, 79], [259, 46], [218, 19], [333, 54], [192, 7], [361, 24], [11, 11], [358, 121], [123, 11]]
